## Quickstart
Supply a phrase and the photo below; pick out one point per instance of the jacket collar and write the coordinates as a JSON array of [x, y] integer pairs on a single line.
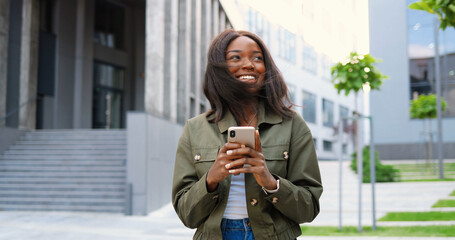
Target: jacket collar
[[264, 116]]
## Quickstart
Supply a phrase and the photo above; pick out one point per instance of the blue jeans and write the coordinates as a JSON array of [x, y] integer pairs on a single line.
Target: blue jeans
[[236, 229]]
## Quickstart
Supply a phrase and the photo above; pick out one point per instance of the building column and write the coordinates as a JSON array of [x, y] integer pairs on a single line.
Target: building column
[[29, 64], [154, 58], [4, 32], [83, 74]]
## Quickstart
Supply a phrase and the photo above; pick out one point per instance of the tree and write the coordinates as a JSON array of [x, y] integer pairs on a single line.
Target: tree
[[358, 70], [354, 73], [445, 9], [424, 107]]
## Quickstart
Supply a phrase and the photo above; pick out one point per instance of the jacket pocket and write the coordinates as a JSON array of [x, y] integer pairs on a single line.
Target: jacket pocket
[[277, 157], [203, 159]]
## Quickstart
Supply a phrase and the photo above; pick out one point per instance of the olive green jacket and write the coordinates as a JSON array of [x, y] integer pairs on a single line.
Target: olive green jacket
[[290, 155]]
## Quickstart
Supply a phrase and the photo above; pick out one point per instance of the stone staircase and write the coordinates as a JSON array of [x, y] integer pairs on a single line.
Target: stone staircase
[[65, 170]]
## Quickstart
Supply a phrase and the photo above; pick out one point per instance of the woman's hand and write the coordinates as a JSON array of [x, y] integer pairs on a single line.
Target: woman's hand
[[255, 164], [218, 172]]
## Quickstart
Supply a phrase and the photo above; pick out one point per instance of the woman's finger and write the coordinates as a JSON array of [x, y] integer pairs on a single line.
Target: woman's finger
[[257, 141]]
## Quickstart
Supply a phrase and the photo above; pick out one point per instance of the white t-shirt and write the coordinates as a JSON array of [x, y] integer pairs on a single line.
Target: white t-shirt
[[236, 204]]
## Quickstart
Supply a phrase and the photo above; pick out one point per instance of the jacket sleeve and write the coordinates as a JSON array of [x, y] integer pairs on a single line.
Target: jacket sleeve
[[191, 201], [299, 193]]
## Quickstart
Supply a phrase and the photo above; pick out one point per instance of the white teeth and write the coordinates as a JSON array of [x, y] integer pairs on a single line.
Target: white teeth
[[247, 77]]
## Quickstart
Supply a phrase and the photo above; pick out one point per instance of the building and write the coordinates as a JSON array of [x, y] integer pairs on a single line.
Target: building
[[404, 40], [108, 64], [306, 39]]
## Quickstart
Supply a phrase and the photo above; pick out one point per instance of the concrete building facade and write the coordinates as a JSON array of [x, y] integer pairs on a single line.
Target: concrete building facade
[[83, 64], [306, 40], [404, 40]]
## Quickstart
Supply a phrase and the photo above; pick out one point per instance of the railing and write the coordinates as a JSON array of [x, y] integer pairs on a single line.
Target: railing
[[30, 100]]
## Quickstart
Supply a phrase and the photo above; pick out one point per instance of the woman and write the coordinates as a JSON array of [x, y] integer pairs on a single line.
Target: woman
[[228, 190]]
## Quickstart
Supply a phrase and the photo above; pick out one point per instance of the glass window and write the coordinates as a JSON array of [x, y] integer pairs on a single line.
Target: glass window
[[309, 107], [326, 65], [286, 42], [327, 113], [107, 96], [421, 48], [109, 24], [344, 148], [309, 59], [344, 113], [327, 146]]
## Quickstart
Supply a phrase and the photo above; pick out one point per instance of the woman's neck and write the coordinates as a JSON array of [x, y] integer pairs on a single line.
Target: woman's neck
[[251, 111]]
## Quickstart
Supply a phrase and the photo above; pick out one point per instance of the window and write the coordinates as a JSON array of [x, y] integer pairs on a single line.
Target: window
[[286, 44], [258, 24], [327, 113], [344, 113], [326, 66], [291, 90], [109, 24], [309, 107], [309, 59], [344, 148], [421, 45], [327, 146], [108, 92]]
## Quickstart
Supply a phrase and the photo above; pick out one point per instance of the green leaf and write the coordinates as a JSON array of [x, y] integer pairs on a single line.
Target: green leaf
[[421, 6]]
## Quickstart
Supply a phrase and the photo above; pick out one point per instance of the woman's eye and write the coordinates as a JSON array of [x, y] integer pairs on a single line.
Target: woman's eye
[[234, 57], [258, 58]]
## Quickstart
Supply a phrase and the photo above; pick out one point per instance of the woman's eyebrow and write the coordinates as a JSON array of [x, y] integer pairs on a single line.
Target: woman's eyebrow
[[233, 51], [241, 51]]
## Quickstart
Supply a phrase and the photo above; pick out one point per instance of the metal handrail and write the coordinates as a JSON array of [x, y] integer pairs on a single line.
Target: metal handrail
[[30, 100]]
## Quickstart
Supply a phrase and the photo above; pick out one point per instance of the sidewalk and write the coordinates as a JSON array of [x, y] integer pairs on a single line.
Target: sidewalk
[[164, 224]]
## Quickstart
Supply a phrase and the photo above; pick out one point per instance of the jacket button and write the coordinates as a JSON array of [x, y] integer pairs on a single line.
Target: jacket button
[[274, 200], [254, 202], [197, 157], [285, 155]]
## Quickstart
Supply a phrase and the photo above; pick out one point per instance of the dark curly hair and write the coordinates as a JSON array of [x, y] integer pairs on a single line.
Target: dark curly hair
[[225, 92]]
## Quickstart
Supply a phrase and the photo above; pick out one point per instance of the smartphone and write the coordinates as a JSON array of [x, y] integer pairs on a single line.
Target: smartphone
[[242, 135]]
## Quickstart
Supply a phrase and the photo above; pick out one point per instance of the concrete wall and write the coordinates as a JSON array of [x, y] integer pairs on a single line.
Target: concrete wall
[[390, 106], [9, 136], [152, 143], [4, 32]]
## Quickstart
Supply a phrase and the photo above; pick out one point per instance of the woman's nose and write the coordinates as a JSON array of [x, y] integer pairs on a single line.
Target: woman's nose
[[247, 64]]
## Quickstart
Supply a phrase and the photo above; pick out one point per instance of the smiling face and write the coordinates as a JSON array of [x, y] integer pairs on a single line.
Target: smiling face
[[245, 61]]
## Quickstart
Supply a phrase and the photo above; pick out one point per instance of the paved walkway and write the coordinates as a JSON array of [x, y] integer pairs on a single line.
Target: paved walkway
[[164, 224]]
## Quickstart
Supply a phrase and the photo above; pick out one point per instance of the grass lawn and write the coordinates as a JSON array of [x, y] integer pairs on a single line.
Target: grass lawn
[[411, 231], [419, 216], [424, 171], [453, 193], [444, 203]]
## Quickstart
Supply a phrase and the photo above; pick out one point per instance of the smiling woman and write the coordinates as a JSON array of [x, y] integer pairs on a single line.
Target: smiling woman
[[233, 191]]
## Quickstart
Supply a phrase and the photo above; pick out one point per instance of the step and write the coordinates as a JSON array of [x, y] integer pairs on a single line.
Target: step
[[72, 137], [118, 151], [62, 162], [71, 168], [78, 131], [105, 147], [62, 200], [66, 187], [28, 207], [72, 142], [65, 174], [86, 194], [59, 180], [63, 157]]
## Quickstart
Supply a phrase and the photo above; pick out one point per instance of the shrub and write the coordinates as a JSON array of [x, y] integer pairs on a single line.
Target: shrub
[[384, 173]]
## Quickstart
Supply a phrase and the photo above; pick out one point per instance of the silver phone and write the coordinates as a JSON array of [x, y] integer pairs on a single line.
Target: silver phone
[[242, 135]]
